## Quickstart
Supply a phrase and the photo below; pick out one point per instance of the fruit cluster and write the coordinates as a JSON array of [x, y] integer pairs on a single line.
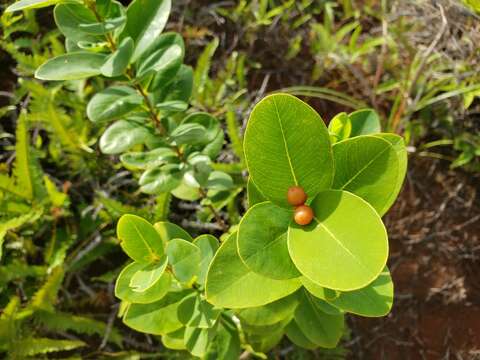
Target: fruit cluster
[[303, 214]]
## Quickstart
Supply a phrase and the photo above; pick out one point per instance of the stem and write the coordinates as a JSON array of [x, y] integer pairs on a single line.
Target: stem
[[215, 213]]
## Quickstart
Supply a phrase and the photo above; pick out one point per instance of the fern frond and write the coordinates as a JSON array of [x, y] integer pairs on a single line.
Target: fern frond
[[38, 346], [19, 270], [46, 296], [15, 223], [8, 328], [27, 170], [60, 321], [8, 184]]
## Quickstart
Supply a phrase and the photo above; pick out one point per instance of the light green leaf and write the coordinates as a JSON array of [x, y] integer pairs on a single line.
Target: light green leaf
[[139, 239], [194, 311], [364, 122], [345, 247], [71, 66], [399, 146], [161, 180], [146, 20], [262, 241], [271, 313], [197, 340], [113, 103], [174, 340], [340, 127], [208, 245], [156, 292], [184, 257], [146, 277], [317, 326], [374, 300], [319, 291], [123, 135], [231, 284], [148, 159], [30, 4], [169, 231], [367, 166], [117, 62], [286, 143], [157, 318]]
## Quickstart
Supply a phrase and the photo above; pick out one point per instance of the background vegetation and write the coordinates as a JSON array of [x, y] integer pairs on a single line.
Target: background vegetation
[[415, 62]]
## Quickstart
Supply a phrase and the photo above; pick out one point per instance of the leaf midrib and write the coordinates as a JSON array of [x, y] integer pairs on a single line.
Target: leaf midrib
[[364, 168], [285, 143]]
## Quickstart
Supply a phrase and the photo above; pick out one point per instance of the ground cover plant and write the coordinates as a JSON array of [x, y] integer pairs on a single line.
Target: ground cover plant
[[141, 218]]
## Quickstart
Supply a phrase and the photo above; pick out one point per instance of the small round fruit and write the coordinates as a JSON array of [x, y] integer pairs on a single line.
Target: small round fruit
[[303, 215], [296, 196]]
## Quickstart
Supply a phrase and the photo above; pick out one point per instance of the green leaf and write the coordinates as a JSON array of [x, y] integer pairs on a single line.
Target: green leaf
[[113, 103], [318, 327], [118, 62], [345, 247], [340, 126], [174, 340], [157, 318], [146, 277], [30, 4], [271, 313], [148, 159], [262, 241], [70, 17], [123, 135], [231, 284], [172, 106], [253, 194], [71, 66], [139, 239], [286, 143], [367, 166], [146, 20], [169, 231], [208, 245], [202, 67], [297, 337], [319, 291], [197, 340], [399, 146], [191, 134], [161, 179], [162, 59], [226, 344], [156, 292], [364, 122], [219, 181], [374, 300], [209, 122], [36, 346], [194, 311], [180, 89], [184, 257]]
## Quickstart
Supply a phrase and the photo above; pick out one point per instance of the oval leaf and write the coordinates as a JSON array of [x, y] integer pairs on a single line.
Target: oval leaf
[[148, 275], [367, 166], [286, 143], [262, 241], [156, 292], [146, 20], [117, 62], [231, 284], [139, 239], [71, 66], [30, 4], [364, 122], [112, 103], [122, 135], [345, 247], [184, 257]]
